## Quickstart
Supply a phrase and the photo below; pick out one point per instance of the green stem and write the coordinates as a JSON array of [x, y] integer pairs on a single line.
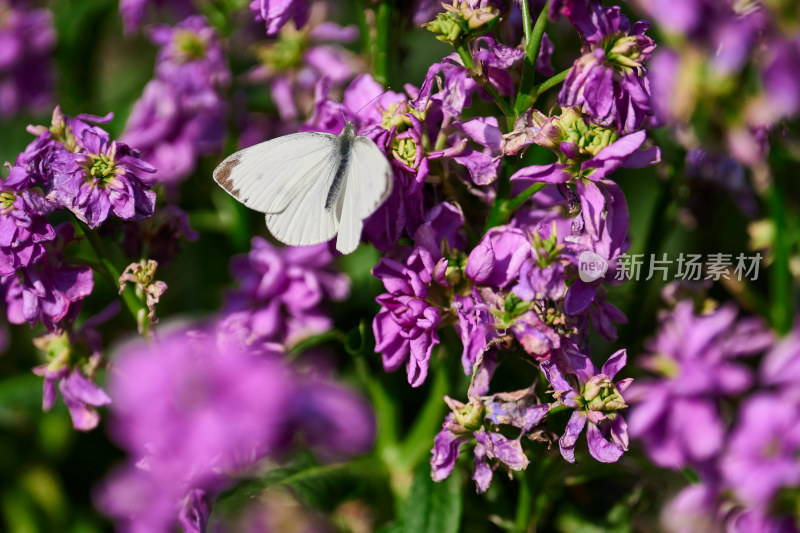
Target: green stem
[[524, 504], [780, 280], [134, 304], [503, 209], [551, 82], [382, 39], [466, 58], [386, 412], [527, 94], [499, 213], [522, 197]]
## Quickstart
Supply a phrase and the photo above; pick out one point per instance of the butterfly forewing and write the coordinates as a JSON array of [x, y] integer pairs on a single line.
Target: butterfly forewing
[[268, 176]]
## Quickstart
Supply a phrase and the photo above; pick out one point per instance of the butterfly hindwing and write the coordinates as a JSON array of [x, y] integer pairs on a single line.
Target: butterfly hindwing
[[368, 184]]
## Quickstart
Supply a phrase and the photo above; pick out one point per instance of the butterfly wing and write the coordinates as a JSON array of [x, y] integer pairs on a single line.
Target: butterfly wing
[[368, 184], [288, 179], [267, 176]]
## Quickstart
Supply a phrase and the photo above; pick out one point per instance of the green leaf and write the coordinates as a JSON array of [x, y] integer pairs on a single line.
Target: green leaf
[[433, 507]]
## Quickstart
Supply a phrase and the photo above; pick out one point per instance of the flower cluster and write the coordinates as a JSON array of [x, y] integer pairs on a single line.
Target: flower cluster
[[72, 165], [743, 463], [193, 413], [280, 294], [27, 41], [181, 114], [519, 285]]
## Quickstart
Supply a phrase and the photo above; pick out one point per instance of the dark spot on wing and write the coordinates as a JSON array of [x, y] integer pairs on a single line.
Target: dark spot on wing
[[223, 175]]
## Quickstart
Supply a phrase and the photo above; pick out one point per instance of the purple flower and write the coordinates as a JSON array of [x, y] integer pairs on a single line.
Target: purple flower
[[587, 156], [781, 79], [481, 420], [677, 416], [276, 13], [133, 11], [498, 258], [475, 327], [781, 365], [23, 226], [190, 412], [495, 59], [405, 327], [762, 453], [81, 396], [299, 58], [595, 398], [104, 176], [727, 30], [27, 41], [181, 114], [484, 163], [610, 79], [281, 291], [46, 291], [73, 357]]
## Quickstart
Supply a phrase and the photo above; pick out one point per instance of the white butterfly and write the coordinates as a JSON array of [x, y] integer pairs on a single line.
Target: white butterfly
[[311, 185]]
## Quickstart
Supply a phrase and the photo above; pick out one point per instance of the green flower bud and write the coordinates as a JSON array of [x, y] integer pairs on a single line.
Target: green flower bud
[[396, 116], [600, 394], [470, 415], [57, 349], [7, 199], [461, 22], [405, 150]]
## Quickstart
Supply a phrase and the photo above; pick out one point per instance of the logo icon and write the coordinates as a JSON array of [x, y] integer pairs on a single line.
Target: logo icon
[[591, 266]]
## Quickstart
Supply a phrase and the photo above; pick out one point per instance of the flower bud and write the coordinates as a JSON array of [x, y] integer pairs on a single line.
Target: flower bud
[[600, 394], [462, 22]]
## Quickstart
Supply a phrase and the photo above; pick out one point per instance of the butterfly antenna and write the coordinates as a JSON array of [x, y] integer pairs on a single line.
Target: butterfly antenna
[[365, 105], [338, 103]]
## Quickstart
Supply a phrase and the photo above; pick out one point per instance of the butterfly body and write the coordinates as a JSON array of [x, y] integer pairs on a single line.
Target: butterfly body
[[311, 186]]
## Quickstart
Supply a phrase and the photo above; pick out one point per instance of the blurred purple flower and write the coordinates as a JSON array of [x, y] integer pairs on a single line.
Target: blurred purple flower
[[181, 114], [677, 416], [299, 58], [276, 13], [133, 12], [728, 30], [281, 291], [103, 176], [27, 42], [781, 78], [191, 412], [763, 449], [595, 398], [162, 235], [780, 367]]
